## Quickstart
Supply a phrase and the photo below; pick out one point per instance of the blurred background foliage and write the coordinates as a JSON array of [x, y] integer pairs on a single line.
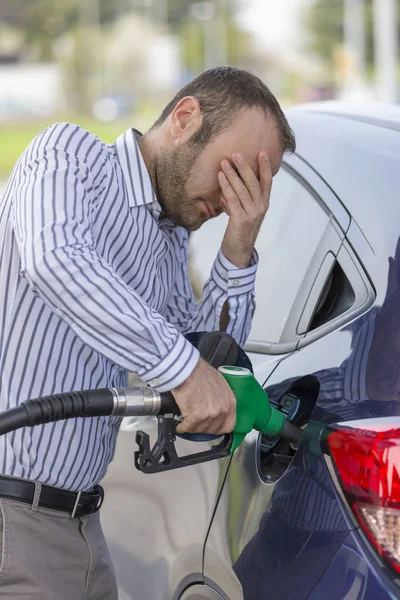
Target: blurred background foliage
[[108, 64], [324, 23]]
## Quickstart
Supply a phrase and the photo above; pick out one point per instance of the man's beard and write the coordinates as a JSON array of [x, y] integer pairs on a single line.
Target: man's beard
[[172, 172]]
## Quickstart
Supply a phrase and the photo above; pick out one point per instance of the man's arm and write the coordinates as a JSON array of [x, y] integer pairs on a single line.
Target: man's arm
[[227, 302], [52, 221]]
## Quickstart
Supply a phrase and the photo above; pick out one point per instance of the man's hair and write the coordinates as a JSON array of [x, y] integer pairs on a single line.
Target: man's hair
[[222, 92]]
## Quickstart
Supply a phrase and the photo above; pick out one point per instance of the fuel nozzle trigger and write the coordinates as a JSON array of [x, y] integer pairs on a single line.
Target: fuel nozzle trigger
[[253, 411], [217, 348], [163, 455]]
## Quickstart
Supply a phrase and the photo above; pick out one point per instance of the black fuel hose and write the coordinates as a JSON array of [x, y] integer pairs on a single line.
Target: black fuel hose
[[292, 433], [56, 407], [120, 402]]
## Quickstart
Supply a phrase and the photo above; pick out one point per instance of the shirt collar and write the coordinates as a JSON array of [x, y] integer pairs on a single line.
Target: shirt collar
[[137, 179]]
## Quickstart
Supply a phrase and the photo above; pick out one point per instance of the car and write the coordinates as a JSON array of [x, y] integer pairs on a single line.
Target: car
[[319, 520]]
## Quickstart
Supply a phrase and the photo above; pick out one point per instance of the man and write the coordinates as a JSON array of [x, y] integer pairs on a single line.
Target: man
[[94, 283]]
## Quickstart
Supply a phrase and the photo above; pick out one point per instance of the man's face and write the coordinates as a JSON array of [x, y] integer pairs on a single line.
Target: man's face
[[187, 177]]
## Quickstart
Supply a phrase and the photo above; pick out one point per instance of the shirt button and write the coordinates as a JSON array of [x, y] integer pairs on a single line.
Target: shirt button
[[224, 275], [236, 282], [154, 382]]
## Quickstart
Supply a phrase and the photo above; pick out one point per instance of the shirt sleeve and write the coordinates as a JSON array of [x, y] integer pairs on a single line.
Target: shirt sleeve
[[227, 283], [53, 222]]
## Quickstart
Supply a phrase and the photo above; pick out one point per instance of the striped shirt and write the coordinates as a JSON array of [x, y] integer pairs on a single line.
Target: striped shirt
[[94, 284]]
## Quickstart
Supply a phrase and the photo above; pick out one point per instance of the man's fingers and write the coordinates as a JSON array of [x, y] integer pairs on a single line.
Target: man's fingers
[[206, 401], [210, 426], [214, 425], [201, 423], [217, 426], [265, 177], [233, 202], [238, 186], [224, 204], [229, 425], [248, 177], [253, 193]]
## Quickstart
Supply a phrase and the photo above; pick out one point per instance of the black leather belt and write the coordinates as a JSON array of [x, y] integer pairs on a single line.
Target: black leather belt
[[77, 504]]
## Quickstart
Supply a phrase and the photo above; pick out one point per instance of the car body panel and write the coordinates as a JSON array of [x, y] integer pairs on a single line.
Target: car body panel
[[320, 187], [253, 513], [201, 592], [359, 162], [290, 539], [352, 576], [156, 525], [282, 538]]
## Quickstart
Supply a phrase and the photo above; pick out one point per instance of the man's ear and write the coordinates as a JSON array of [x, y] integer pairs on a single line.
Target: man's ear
[[185, 119]]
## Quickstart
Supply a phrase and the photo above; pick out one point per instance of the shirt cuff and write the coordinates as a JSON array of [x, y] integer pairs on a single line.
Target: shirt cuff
[[174, 368], [233, 280]]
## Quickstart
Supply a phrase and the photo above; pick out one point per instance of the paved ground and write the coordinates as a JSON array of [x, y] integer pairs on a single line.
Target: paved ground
[[148, 519]]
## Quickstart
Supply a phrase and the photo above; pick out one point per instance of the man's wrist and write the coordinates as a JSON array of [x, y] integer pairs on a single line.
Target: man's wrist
[[241, 260], [190, 377], [175, 367]]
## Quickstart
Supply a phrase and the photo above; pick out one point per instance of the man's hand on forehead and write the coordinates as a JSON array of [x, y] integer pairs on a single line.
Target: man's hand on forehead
[[245, 198], [236, 168]]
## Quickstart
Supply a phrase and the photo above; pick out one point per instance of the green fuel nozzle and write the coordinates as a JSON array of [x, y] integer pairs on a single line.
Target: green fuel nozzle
[[253, 409]]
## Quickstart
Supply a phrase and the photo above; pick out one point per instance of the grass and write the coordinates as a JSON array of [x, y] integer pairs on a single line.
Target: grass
[[14, 137]]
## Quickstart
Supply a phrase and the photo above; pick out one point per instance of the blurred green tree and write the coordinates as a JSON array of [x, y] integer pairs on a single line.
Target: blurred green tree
[[324, 25], [43, 23], [217, 39], [180, 10]]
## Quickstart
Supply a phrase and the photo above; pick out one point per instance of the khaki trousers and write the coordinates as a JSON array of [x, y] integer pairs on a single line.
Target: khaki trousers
[[47, 555]]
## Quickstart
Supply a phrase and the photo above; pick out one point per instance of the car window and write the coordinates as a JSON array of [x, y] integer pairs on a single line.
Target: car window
[[289, 238]]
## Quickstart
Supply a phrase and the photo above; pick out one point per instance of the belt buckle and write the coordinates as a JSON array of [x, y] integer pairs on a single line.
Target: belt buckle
[[94, 508], [78, 497]]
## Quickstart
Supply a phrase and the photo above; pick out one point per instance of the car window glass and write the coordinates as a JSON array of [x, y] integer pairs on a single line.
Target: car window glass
[[288, 239]]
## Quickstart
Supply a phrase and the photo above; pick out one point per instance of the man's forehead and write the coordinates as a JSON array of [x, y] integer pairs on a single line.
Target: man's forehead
[[252, 140], [275, 158]]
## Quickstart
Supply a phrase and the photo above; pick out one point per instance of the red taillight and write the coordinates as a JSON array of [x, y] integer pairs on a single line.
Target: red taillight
[[368, 465]]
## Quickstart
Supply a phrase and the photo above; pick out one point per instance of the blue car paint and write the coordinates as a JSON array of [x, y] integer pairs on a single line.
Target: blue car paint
[[354, 574], [304, 536]]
